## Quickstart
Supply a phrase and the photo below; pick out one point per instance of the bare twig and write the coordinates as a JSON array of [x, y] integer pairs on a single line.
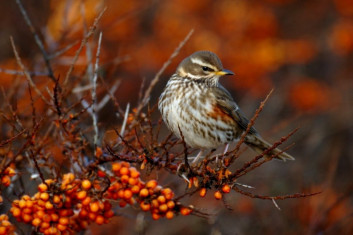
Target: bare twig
[[296, 195], [94, 94], [37, 39], [16, 72], [83, 43], [27, 75]]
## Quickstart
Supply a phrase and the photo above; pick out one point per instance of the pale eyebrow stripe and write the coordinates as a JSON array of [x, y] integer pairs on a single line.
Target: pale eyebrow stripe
[[200, 62]]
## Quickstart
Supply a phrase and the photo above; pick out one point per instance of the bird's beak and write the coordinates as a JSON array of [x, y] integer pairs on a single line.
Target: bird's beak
[[224, 72]]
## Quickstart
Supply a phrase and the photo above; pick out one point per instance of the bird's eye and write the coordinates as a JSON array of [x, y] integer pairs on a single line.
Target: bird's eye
[[205, 68]]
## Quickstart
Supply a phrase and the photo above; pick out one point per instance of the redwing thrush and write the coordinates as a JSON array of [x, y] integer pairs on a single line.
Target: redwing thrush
[[208, 117]]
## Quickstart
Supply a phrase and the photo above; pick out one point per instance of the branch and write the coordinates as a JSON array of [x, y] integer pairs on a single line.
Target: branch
[[37, 39], [83, 43], [27, 75]]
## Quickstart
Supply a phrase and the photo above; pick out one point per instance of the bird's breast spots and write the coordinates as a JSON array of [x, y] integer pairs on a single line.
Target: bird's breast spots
[[219, 114]]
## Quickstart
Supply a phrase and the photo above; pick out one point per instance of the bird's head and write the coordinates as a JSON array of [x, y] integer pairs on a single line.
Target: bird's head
[[203, 66]]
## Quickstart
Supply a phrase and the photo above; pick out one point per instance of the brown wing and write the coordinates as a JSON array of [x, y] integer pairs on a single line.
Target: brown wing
[[228, 105]]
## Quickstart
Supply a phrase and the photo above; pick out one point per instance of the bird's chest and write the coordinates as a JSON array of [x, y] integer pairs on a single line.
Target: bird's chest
[[192, 112]]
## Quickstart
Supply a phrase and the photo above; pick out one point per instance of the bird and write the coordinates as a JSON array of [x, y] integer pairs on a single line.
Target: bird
[[197, 108]]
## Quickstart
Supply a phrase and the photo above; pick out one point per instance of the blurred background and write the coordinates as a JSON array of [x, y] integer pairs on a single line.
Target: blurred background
[[301, 49]]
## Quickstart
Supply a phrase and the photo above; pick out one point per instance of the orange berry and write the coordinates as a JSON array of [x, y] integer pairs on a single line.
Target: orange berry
[[124, 171], [163, 208], [203, 192], [49, 205], [92, 216], [121, 193], [109, 214], [39, 214], [1, 199], [29, 204], [56, 199], [151, 184], [116, 166], [86, 184], [54, 217], [86, 201], [127, 194], [145, 206], [52, 230], [185, 211], [3, 230], [124, 178], [44, 196], [64, 220], [42, 187], [161, 199], [45, 225], [81, 195], [83, 213], [226, 188], [49, 181], [168, 193], [99, 152], [132, 181], [61, 227], [169, 215], [22, 203], [134, 173], [156, 216], [107, 205], [27, 211], [26, 218], [46, 218], [154, 203], [122, 204], [135, 189], [36, 222], [94, 206], [218, 195], [26, 197], [101, 173], [99, 220], [170, 204], [6, 180], [144, 192]]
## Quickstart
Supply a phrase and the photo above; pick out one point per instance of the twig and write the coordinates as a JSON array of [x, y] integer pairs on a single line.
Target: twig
[[295, 195], [106, 98], [83, 43], [16, 72], [63, 50], [94, 94], [5, 142], [159, 73], [37, 39], [122, 130], [27, 75]]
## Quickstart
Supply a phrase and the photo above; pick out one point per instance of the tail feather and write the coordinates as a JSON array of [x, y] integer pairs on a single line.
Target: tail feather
[[260, 145]]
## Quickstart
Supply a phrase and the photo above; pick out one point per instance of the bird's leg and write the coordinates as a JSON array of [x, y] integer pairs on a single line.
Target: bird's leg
[[224, 152], [226, 149], [198, 156]]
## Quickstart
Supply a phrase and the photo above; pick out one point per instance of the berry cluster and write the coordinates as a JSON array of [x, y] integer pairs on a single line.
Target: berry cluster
[[62, 207], [127, 187], [6, 176], [5, 225]]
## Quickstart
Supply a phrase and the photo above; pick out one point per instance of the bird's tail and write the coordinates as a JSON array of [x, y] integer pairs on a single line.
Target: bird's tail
[[260, 145]]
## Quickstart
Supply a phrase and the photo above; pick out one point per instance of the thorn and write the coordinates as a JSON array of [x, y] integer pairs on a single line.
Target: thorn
[[275, 203]]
